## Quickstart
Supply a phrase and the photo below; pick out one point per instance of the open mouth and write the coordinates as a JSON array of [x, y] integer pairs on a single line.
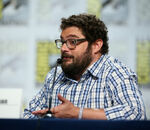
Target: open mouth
[[66, 58]]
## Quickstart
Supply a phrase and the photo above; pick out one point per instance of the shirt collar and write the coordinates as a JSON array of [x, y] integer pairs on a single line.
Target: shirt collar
[[96, 67]]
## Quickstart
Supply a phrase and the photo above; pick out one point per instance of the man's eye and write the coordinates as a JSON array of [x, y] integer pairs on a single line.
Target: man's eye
[[72, 41]]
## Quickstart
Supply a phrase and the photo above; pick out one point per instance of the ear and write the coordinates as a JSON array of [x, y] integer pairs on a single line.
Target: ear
[[97, 45]]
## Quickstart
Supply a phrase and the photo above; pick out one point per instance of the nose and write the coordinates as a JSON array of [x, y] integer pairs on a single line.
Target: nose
[[64, 48]]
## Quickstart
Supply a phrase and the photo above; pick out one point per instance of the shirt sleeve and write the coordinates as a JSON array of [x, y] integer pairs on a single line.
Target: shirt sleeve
[[40, 101], [127, 99]]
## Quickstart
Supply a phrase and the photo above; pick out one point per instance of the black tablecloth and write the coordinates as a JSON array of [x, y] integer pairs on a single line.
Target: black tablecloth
[[71, 124]]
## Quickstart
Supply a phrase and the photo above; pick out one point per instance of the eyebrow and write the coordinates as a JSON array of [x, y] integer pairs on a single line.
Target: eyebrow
[[71, 35]]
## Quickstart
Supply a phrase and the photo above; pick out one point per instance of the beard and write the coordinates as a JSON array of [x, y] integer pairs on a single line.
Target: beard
[[78, 65]]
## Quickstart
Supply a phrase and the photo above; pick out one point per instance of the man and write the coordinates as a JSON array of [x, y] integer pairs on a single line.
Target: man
[[90, 84]]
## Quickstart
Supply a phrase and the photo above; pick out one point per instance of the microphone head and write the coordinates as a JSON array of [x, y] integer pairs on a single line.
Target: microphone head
[[59, 61]]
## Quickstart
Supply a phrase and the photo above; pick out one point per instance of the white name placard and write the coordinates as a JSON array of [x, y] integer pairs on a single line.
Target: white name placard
[[10, 102]]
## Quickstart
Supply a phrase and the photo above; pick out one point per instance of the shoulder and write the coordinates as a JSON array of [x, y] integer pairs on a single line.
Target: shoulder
[[117, 68], [118, 74]]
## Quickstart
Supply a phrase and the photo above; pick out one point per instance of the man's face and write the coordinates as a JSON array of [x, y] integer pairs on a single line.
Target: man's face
[[75, 61]]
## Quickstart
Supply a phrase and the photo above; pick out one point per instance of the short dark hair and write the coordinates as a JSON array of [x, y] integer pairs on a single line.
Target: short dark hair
[[91, 27]]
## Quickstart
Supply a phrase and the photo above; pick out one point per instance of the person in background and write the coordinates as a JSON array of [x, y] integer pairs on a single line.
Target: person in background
[[90, 84]]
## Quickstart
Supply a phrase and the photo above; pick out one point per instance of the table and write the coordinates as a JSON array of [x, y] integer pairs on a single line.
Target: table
[[71, 124]]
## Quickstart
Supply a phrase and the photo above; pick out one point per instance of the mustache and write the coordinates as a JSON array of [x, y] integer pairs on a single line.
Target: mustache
[[67, 55]]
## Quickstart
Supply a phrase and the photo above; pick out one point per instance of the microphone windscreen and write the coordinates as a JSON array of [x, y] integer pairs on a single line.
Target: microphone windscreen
[[59, 61]]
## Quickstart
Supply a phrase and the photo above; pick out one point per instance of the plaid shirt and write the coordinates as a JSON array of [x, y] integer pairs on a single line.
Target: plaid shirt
[[106, 84]]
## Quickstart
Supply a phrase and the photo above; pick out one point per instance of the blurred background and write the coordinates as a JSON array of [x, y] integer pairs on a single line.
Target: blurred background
[[28, 29]]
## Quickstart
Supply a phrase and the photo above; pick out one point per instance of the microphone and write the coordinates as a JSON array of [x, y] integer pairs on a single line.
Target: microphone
[[49, 113], [59, 61]]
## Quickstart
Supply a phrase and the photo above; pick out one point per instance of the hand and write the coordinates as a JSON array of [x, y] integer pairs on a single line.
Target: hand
[[65, 110], [40, 112]]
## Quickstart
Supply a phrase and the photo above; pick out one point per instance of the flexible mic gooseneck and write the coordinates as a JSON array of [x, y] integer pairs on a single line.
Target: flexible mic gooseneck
[[49, 113]]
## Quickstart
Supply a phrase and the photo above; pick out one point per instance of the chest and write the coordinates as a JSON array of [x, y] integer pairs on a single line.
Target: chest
[[90, 93]]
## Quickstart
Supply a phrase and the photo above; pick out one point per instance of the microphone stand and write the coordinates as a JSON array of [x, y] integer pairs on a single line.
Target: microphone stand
[[49, 113]]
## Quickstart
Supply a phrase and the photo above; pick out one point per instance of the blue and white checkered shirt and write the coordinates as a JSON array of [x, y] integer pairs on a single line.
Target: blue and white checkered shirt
[[106, 84]]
